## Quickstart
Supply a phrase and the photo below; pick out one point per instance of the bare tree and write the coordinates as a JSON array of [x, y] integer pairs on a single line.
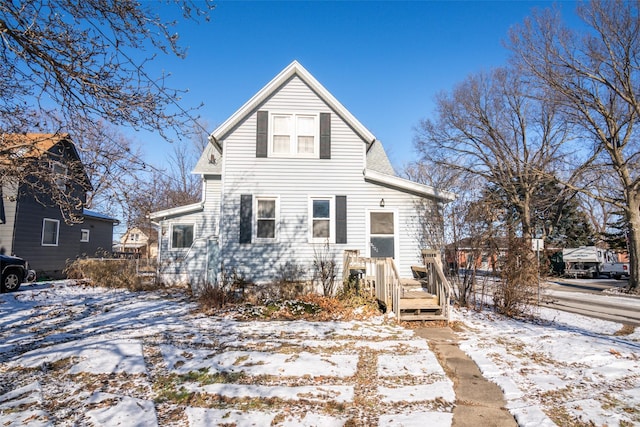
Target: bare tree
[[594, 74], [490, 128], [83, 66]]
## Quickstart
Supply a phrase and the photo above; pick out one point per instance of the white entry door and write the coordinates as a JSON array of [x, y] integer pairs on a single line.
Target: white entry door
[[382, 234]]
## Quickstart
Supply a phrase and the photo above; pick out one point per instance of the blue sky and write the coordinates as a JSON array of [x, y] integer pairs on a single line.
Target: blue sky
[[384, 61]]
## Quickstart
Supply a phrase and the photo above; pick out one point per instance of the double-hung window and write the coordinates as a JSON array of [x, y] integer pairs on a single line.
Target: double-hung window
[[266, 217], [321, 219], [50, 232], [294, 135]]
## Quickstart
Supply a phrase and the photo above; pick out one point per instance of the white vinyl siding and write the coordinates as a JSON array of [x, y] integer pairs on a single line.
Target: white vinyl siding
[[298, 180], [174, 267]]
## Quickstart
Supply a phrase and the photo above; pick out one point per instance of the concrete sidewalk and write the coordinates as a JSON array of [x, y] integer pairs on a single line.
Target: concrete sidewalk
[[479, 402]]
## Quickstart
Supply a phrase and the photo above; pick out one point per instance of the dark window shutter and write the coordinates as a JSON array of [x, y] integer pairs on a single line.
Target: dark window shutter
[[341, 219], [246, 216], [325, 135], [262, 133]]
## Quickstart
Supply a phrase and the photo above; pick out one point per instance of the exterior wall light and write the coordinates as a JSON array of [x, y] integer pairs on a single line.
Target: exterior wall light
[[382, 203]]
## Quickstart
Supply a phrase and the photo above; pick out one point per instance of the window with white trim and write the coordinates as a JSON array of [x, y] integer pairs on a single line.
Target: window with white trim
[[321, 219], [84, 235], [50, 232], [266, 218], [182, 236], [294, 135]]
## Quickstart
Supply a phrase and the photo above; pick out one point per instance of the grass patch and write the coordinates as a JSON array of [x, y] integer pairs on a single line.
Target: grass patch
[[625, 330]]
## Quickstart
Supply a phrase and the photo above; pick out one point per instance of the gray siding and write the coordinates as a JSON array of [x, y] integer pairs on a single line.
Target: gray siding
[[9, 193], [46, 260], [100, 237]]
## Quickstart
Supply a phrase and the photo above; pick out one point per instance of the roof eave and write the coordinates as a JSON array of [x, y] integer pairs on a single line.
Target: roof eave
[[408, 186], [180, 210]]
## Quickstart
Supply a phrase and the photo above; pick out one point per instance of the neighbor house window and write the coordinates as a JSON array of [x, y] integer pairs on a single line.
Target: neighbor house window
[[294, 135], [181, 236], [50, 231], [266, 211], [84, 235], [59, 172]]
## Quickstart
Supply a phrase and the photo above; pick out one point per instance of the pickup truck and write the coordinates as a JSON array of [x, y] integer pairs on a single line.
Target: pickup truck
[[15, 271], [617, 270]]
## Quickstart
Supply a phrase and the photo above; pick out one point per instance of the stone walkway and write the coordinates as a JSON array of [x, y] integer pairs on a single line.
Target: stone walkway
[[478, 401]]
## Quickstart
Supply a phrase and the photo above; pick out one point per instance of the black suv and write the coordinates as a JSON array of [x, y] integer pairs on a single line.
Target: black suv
[[14, 271]]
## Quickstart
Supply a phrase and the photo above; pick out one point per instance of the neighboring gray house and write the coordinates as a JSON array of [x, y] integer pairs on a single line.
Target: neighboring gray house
[[289, 175], [35, 229]]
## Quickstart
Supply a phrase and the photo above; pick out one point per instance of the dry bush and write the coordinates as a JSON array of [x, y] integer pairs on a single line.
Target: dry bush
[[109, 273], [516, 293]]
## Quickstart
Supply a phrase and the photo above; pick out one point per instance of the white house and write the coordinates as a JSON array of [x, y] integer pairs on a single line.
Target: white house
[[288, 175]]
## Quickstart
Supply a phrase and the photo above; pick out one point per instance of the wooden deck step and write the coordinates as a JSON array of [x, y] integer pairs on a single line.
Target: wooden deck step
[[429, 303], [421, 316]]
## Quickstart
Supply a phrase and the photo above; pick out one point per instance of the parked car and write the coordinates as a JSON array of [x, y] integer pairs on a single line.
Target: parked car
[[15, 271]]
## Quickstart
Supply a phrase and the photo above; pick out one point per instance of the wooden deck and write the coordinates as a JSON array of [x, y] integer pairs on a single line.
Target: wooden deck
[[423, 297]]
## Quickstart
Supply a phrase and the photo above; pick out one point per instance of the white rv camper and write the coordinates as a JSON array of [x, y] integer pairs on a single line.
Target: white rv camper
[[586, 261]]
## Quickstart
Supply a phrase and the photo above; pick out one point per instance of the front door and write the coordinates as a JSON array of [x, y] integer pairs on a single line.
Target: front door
[[382, 234]]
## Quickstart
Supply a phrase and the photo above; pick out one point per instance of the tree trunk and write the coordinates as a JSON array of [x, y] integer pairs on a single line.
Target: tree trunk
[[633, 218]]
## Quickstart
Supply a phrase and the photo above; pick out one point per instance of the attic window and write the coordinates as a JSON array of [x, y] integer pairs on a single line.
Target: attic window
[[59, 172], [293, 135]]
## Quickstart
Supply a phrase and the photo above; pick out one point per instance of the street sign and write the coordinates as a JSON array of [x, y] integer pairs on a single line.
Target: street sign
[[537, 244]]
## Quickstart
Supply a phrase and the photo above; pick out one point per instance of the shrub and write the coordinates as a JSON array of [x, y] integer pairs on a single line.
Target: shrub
[[109, 273], [515, 294], [324, 266]]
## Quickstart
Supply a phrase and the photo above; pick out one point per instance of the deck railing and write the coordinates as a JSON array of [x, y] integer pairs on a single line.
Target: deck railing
[[377, 276], [380, 278], [436, 280]]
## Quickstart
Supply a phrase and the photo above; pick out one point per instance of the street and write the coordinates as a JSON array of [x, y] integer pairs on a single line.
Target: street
[[588, 297]]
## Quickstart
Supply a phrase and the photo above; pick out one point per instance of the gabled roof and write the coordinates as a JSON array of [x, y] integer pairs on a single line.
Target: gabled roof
[[293, 69], [377, 159], [210, 162], [35, 145]]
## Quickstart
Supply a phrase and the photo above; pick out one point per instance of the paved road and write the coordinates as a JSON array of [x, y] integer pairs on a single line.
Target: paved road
[[585, 296]]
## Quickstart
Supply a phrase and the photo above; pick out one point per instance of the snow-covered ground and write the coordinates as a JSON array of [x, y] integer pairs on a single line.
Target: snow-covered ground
[[74, 355]]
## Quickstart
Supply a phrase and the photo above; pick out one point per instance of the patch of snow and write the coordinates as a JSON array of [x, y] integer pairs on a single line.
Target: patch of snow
[[418, 393], [335, 393], [94, 355], [260, 363], [127, 411], [393, 365], [416, 419], [21, 407]]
